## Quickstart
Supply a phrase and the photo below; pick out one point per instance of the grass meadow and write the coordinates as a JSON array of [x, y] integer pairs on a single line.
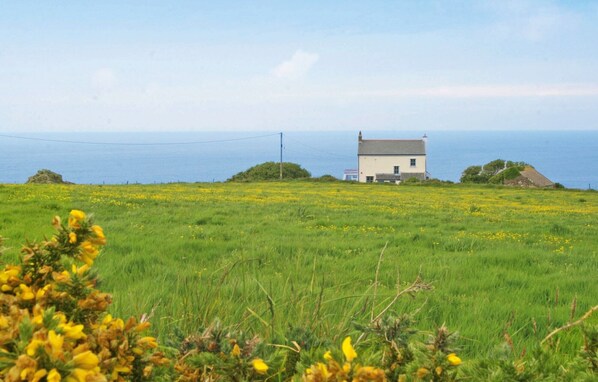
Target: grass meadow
[[269, 257]]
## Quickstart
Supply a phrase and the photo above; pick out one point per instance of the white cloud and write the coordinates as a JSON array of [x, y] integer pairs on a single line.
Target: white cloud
[[103, 79], [297, 65]]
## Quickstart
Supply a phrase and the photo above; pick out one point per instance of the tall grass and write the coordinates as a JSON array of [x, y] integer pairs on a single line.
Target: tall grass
[[271, 257]]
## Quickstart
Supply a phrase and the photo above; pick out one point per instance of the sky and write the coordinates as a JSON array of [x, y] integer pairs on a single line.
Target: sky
[[298, 66]]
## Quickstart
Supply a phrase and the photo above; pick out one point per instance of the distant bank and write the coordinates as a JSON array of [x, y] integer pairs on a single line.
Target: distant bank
[[567, 157]]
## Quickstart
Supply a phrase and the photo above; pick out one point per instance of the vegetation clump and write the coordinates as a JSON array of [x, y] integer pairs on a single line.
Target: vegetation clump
[[271, 171], [47, 177], [54, 324], [495, 172]]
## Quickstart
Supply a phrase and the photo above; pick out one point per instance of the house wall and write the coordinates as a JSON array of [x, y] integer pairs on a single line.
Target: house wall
[[370, 165]]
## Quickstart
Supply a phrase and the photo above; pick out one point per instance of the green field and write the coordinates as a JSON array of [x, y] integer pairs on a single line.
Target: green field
[[264, 257]]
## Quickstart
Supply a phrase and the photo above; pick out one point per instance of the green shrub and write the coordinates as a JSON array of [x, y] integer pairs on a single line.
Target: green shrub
[[271, 171]]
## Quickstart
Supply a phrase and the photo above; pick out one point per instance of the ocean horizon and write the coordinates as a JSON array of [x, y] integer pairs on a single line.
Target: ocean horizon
[[566, 157]]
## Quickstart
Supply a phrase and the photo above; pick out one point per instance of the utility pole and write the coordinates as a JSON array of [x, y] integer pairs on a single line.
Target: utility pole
[[281, 156]]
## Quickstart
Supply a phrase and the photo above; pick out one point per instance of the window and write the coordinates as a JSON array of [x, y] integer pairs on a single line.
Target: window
[[396, 171], [369, 179], [412, 162]]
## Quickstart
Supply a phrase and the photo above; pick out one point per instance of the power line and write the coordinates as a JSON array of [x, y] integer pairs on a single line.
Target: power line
[[320, 150], [137, 144]]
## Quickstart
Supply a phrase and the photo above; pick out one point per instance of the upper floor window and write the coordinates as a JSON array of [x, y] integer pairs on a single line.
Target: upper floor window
[[412, 162], [396, 170]]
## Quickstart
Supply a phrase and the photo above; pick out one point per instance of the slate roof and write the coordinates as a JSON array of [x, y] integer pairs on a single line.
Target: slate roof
[[391, 147]]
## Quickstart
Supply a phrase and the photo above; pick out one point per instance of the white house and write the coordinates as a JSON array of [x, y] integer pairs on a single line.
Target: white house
[[391, 160]]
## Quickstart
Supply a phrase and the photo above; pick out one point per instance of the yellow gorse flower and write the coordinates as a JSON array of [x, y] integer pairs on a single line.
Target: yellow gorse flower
[[147, 342], [75, 218], [26, 292], [56, 342], [236, 352], [31, 349], [453, 359], [422, 372], [348, 350], [53, 376], [89, 252], [99, 235], [259, 366], [72, 237], [328, 355], [86, 360]]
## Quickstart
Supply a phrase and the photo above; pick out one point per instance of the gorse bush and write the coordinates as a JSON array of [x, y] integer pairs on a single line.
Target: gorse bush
[[54, 323], [271, 171]]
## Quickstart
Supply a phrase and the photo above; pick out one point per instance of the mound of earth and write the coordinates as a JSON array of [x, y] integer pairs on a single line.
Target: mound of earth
[[47, 177]]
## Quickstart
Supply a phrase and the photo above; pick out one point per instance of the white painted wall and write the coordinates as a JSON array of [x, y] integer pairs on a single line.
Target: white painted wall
[[370, 165]]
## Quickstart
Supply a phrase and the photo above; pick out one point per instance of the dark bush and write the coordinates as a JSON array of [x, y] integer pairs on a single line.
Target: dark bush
[[271, 171]]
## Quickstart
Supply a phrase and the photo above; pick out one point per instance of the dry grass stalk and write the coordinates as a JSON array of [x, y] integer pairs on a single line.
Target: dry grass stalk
[[571, 324]]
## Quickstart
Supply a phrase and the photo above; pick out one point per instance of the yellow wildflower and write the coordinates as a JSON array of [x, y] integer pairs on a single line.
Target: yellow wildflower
[[39, 375], [453, 359], [328, 355], [42, 292], [3, 322], [72, 237], [10, 273], [323, 370], [107, 319], [438, 370], [86, 360], [259, 366], [422, 372], [348, 350], [100, 238], [142, 326], [147, 342], [26, 292], [78, 375], [75, 218], [56, 341], [88, 252], [347, 367], [53, 376], [119, 369], [74, 332], [236, 352], [31, 349]]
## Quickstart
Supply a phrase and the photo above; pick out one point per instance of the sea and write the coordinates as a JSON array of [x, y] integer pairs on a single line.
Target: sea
[[566, 157]]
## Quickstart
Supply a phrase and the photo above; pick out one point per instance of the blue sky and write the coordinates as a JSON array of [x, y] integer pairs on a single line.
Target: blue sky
[[287, 66]]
